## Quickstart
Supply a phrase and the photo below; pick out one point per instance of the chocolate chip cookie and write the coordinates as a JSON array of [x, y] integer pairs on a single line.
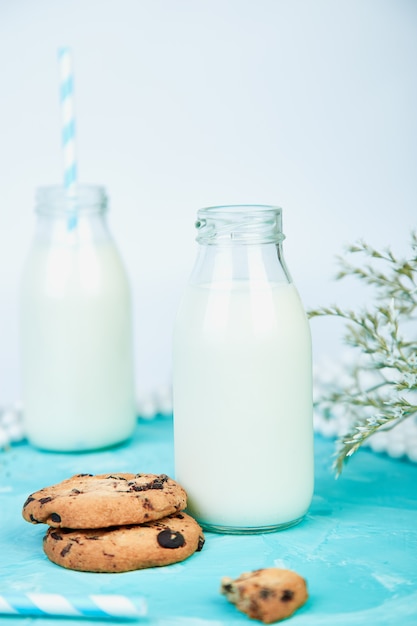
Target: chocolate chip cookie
[[125, 548], [268, 595], [103, 500]]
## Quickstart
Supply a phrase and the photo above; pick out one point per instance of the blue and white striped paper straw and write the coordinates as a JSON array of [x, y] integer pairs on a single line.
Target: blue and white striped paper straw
[[88, 606], [68, 127]]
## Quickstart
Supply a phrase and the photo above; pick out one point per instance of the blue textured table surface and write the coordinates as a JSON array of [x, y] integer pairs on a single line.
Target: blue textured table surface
[[357, 547]]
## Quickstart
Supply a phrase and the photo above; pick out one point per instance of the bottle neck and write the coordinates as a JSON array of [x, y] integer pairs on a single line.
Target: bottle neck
[[71, 219], [239, 243], [55, 201], [256, 264]]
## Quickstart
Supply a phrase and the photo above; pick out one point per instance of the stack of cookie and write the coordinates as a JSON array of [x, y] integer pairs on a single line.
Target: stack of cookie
[[115, 522]]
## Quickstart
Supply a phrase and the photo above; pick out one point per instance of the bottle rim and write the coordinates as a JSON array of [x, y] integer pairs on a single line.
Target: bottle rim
[[244, 208], [239, 224], [55, 199]]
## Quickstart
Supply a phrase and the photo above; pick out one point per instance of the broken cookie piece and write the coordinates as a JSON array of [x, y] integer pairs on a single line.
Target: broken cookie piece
[[268, 595]]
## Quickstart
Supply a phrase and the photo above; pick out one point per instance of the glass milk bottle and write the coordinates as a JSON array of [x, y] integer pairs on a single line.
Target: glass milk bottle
[[242, 378], [76, 328]]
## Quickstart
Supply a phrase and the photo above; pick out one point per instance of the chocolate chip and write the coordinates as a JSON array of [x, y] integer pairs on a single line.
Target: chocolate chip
[[34, 520], [116, 477], [254, 609], [228, 587], [55, 536], [55, 517], [138, 487], [81, 475], [75, 491], [45, 500], [67, 548], [266, 593], [30, 499], [287, 595], [201, 542], [158, 483], [170, 539]]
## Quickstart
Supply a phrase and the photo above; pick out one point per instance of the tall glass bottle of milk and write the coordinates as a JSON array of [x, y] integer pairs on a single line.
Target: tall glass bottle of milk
[[76, 327], [242, 378]]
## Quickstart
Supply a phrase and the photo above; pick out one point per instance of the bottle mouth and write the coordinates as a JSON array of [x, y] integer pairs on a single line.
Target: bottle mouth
[[55, 200], [239, 224]]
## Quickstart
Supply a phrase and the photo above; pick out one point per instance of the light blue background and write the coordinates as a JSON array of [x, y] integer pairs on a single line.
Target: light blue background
[[308, 104]]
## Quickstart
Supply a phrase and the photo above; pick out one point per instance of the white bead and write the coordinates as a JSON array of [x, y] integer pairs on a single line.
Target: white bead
[[165, 406], [396, 449], [395, 436], [317, 422], [328, 428], [9, 417], [412, 454], [15, 432], [343, 425], [410, 425], [411, 441], [378, 443], [4, 438], [164, 400], [146, 407]]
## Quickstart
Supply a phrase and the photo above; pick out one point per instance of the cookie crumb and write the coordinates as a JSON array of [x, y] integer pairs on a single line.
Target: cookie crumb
[[268, 595]]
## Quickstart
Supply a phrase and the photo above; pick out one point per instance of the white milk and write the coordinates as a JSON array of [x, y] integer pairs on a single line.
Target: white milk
[[243, 404], [78, 388]]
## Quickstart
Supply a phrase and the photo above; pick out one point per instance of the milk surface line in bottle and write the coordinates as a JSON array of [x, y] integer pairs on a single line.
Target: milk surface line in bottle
[[242, 378]]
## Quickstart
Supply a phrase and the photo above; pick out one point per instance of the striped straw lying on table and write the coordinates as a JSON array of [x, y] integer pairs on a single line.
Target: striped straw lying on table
[[57, 605]]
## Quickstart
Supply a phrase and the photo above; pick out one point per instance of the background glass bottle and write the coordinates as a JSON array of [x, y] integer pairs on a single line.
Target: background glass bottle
[[76, 328], [243, 378]]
